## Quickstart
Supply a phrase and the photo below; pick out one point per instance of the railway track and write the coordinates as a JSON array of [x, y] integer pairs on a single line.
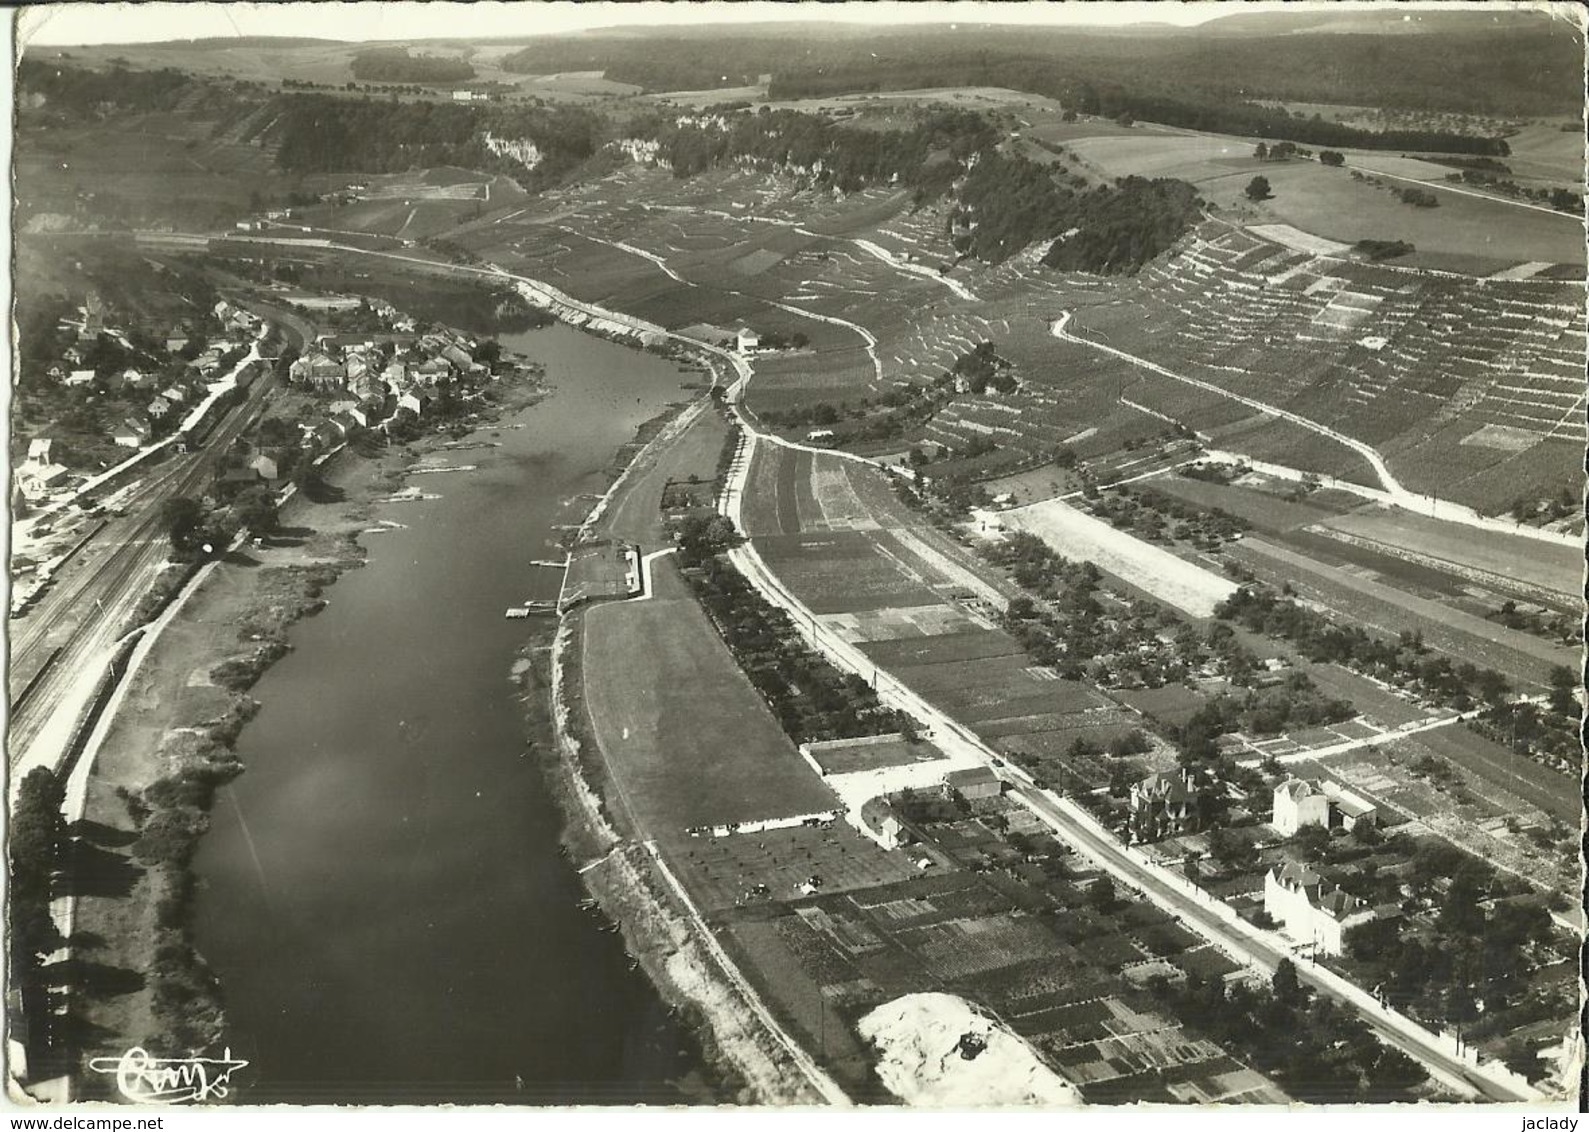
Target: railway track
[[69, 638]]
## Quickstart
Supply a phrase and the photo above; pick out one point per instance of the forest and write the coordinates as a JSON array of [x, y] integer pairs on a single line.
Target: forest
[[396, 65], [79, 91], [1520, 68], [1012, 201], [325, 134]]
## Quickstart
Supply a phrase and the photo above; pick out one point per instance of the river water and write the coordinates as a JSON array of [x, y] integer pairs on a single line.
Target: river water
[[382, 893]]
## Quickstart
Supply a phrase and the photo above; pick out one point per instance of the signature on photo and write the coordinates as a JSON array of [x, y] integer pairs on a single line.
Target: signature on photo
[[169, 1080]]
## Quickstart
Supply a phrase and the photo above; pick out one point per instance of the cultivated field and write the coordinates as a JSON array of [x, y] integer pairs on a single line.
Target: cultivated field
[[1076, 535], [1387, 610], [1265, 510], [841, 572], [1481, 556]]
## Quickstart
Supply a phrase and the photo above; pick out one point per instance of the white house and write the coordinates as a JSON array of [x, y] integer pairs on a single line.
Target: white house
[[1310, 910], [131, 433], [882, 823], [1298, 803], [747, 341], [80, 377]]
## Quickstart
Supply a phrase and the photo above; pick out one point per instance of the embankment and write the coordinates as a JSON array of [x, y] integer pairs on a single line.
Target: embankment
[[139, 980]]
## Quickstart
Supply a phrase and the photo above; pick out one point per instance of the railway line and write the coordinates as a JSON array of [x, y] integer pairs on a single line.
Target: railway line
[[63, 647]]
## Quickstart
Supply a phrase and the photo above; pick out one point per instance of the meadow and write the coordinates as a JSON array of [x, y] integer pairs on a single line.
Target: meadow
[[686, 738]]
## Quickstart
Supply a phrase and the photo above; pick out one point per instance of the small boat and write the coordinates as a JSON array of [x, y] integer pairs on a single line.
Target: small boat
[[516, 613]]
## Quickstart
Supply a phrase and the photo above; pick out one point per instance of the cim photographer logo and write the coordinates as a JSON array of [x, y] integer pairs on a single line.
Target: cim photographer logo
[[170, 1080]]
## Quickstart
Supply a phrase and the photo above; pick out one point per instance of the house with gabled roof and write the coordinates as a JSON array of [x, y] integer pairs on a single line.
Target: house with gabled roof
[[1310, 909], [131, 433], [1165, 805]]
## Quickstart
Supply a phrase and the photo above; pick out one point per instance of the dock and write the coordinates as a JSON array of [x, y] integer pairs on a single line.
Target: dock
[[516, 613]]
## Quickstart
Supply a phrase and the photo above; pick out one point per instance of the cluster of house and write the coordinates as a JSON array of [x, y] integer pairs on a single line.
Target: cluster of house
[[170, 394], [1307, 907], [364, 371]]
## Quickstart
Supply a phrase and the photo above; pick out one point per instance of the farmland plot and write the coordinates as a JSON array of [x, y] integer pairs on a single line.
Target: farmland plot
[[840, 572], [1076, 535], [1385, 609], [1484, 556]]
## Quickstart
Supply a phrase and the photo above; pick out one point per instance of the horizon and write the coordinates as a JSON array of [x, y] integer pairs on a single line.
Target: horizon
[[93, 25]]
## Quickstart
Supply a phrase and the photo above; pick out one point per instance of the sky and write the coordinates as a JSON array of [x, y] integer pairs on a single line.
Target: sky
[[71, 24]]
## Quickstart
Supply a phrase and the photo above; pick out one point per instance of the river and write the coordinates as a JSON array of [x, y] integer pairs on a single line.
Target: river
[[382, 894]]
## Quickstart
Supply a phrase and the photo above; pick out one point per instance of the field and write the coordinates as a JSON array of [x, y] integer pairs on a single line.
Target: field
[[157, 168], [841, 572], [1387, 610], [1551, 569], [1555, 794], [1371, 700], [1076, 535], [686, 738], [1329, 203], [1265, 510], [721, 871]]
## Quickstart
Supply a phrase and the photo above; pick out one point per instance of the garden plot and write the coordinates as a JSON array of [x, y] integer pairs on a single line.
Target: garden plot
[[840, 572], [893, 624], [947, 648], [997, 688], [723, 871], [1076, 535]]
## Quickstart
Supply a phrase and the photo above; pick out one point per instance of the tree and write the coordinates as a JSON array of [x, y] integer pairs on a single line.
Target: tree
[[1331, 158], [183, 519], [255, 509], [1258, 189], [1285, 985], [1563, 691], [1261, 152]]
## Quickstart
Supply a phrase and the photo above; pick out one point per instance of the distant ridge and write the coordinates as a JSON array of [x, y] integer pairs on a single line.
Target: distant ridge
[[217, 41], [1381, 21]]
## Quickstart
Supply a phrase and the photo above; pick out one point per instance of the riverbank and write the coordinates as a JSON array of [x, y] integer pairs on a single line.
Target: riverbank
[[136, 975], [613, 857]]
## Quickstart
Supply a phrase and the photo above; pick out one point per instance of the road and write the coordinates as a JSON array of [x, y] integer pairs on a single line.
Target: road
[[84, 612]]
